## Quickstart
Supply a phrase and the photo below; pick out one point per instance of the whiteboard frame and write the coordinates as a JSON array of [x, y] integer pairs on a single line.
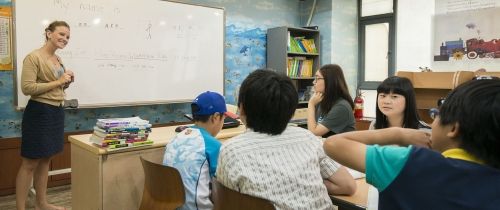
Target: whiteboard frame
[[105, 105]]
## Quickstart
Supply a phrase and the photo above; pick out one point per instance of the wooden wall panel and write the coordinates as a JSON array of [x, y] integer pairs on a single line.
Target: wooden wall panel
[[10, 160]]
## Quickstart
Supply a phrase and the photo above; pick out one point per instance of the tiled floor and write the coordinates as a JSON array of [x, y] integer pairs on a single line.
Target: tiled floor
[[60, 196]]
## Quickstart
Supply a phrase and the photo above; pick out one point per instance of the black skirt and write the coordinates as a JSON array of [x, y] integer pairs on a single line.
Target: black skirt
[[42, 130]]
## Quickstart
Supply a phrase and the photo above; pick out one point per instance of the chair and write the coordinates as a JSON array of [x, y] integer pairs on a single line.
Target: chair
[[227, 199], [163, 187]]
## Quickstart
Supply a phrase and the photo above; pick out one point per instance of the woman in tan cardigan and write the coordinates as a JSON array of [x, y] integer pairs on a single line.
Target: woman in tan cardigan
[[44, 79]]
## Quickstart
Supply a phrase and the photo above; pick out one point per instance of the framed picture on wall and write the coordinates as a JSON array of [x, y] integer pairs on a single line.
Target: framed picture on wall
[[467, 40]]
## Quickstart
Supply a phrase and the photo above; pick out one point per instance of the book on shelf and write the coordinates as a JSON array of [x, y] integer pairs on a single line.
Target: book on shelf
[[299, 67], [309, 45], [294, 46], [289, 66], [301, 45], [288, 42], [313, 46]]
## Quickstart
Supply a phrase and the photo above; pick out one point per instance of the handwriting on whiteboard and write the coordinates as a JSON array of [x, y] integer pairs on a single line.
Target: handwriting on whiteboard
[[113, 60]]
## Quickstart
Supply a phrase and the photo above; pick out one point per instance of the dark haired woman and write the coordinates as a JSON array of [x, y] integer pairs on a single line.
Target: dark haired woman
[[330, 109], [44, 79], [396, 105]]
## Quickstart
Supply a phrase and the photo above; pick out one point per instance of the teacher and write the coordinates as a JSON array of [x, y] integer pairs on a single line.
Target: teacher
[[44, 78]]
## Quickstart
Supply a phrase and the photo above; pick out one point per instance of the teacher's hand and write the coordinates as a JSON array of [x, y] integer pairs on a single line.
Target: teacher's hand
[[65, 79], [71, 74]]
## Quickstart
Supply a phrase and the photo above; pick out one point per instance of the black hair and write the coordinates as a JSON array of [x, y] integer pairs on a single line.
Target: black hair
[[404, 87], [475, 106], [200, 118], [268, 100], [52, 27], [335, 87]]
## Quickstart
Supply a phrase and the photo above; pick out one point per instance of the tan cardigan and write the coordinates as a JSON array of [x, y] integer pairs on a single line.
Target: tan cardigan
[[39, 80]]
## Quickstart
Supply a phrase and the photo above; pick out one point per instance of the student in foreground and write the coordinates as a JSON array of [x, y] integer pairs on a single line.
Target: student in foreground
[[280, 163], [194, 151], [462, 173]]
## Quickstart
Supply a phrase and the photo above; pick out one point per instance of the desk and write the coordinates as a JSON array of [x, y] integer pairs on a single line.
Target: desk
[[358, 201], [300, 119], [103, 180]]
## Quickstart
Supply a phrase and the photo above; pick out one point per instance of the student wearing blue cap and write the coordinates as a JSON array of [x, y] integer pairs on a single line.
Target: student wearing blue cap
[[194, 151]]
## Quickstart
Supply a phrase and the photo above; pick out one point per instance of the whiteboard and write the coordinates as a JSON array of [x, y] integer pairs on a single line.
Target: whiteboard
[[128, 52]]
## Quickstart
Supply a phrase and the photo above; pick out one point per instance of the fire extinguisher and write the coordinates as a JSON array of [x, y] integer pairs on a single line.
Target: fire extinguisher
[[358, 105]]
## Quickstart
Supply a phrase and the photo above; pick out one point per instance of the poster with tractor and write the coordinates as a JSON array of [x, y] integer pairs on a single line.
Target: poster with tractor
[[467, 35]]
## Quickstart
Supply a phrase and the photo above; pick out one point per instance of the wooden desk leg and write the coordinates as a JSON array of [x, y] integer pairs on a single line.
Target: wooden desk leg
[[123, 178], [86, 179]]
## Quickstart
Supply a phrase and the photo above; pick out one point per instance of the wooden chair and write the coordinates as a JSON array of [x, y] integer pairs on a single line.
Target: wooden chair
[[227, 199], [163, 187]]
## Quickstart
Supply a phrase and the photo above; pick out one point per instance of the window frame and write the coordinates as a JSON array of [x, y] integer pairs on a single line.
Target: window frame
[[389, 18]]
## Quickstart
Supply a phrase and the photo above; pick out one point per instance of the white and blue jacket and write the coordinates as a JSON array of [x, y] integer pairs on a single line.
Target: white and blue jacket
[[194, 153]]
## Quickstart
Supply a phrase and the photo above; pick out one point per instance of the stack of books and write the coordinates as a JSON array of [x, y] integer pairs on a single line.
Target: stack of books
[[120, 133]]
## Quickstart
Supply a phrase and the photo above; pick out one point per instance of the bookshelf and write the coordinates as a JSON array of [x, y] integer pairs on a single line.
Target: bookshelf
[[295, 52]]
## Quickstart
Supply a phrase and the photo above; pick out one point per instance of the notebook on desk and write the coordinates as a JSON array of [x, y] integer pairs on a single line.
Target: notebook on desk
[[230, 123], [298, 121]]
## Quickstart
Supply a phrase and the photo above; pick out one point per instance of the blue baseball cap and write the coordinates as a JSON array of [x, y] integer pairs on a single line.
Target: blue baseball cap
[[209, 103]]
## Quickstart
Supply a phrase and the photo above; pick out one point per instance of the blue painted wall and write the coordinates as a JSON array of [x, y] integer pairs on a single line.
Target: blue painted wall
[[344, 40], [337, 21], [245, 51], [323, 19]]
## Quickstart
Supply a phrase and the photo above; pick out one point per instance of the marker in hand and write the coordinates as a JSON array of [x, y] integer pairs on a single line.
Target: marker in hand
[[68, 78]]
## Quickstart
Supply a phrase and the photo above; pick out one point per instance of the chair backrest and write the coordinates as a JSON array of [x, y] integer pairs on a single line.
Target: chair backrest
[[163, 187], [227, 199]]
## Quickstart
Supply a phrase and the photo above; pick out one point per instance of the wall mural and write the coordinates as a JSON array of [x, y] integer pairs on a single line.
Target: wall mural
[[245, 52]]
